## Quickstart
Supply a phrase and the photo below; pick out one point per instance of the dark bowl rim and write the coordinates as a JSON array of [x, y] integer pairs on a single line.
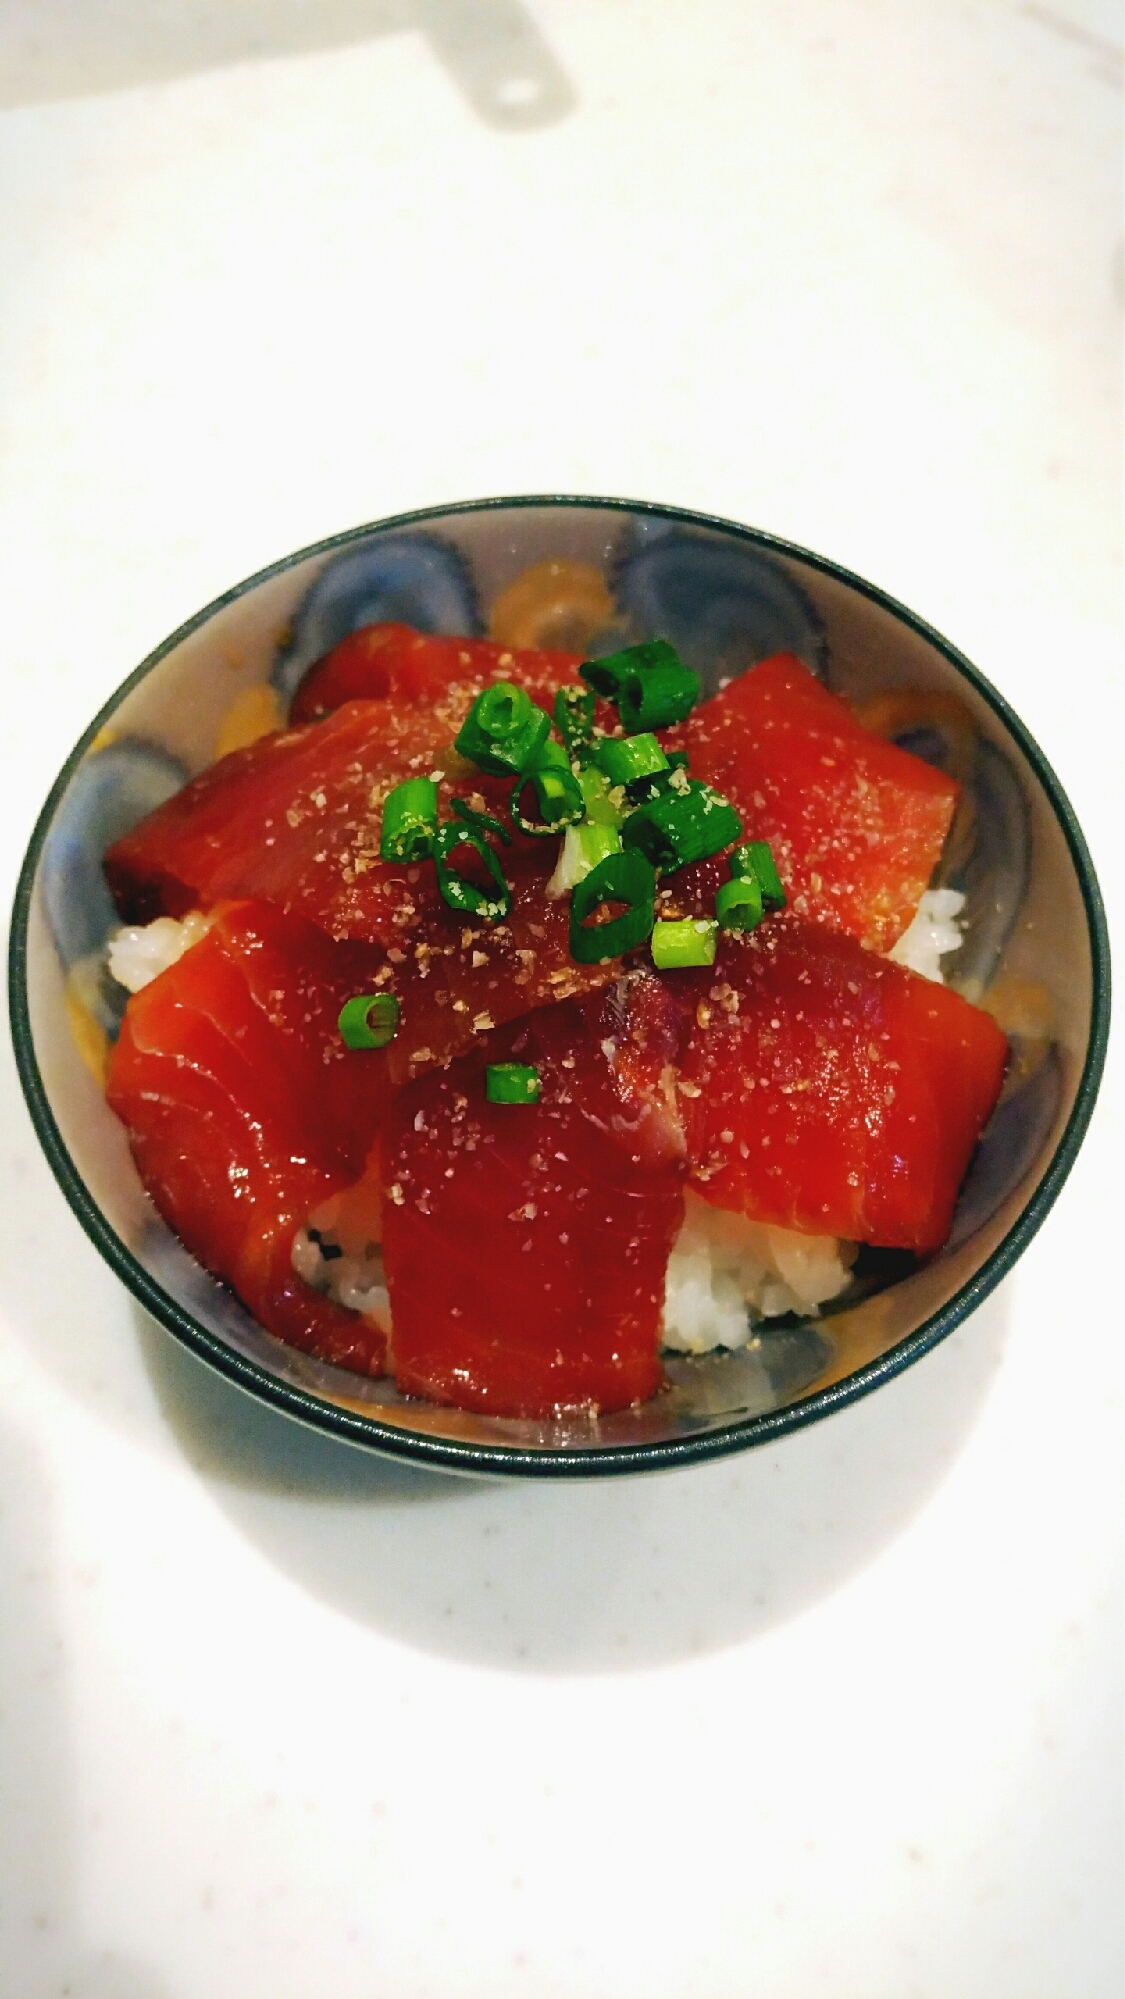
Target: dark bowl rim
[[501, 1460]]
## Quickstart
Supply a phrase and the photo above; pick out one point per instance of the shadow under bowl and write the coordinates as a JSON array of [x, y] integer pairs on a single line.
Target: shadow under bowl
[[727, 596]]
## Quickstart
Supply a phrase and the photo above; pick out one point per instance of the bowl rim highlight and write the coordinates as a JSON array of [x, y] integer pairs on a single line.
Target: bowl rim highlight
[[595, 1460]]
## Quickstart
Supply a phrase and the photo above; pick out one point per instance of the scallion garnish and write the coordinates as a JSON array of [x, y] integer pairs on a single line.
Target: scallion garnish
[[693, 942], [596, 843], [511, 1083], [370, 1020], [624, 759], [755, 862], [682, 826], [604, 802], [648, 684], [503, 731], [574, 720], [482, 821], [625, 877], [738, 903], [409, 821], [659, 698], [557, 791], [464, 896], [582, 848]]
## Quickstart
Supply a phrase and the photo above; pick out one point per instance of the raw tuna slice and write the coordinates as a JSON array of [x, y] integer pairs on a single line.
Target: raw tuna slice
[[525, 1246], [456, 981], [296, 820], [293, 819], [856, 824], [245, 1110], [396, 663], [828, 1090]]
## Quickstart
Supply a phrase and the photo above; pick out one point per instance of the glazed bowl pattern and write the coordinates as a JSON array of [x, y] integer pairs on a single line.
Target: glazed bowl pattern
[[594, 574]]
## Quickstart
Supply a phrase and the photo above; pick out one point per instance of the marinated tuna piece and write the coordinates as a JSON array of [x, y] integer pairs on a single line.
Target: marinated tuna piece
[[292, 819], [856, 825], [525, 1244], [827, 1090], [396, 663], [245, 1110], [456, 981], [296, 819], [280, 825]]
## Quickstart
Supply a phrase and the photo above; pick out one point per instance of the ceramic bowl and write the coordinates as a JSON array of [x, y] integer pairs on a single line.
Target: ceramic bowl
[[727, 596]]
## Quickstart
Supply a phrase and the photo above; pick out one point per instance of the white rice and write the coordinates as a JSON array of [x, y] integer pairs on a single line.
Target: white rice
[[137, 955], [726, 1271], [932, 934], [355, 1281]]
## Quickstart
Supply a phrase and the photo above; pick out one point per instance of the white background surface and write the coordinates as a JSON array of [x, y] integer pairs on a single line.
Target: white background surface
[[840, 1717]]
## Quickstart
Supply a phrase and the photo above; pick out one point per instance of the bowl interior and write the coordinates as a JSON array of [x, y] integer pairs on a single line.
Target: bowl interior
[[727, 597]]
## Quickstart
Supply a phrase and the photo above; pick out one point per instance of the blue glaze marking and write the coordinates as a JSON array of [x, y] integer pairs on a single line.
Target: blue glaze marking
[[101, 995], [409, 579], [724, 606], [111, 791], [1012, 1141]]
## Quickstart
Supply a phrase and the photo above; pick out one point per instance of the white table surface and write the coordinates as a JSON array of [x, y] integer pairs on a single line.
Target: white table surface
[[841, 1716]]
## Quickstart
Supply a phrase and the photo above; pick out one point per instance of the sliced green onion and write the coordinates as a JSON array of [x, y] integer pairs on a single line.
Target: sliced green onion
[[648, 684], [369, 1020], [556, 788], [596, 843], [755, 862], [692, 942], [624, 877], [659, 698], [644, 789], [409, 821], [738, 904], [626, 758], [511, 1083], [462, 895], [503, 730], [609, 675], [604, 802], [682, 826], [574, 719], [583, 847], [482, 821]]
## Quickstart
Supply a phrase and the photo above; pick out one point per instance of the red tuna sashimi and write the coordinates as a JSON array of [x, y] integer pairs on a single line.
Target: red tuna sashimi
[[292, 819], [244, 1111], [828, 1090], [457, 981], [856, 824], [396, 663], [295, 820], [525, 1245]]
